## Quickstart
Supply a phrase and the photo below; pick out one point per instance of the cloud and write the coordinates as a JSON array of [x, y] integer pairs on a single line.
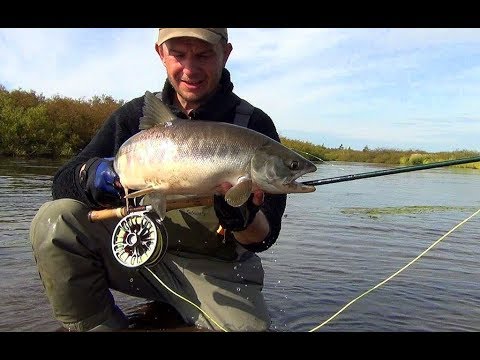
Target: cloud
[[407, 87]]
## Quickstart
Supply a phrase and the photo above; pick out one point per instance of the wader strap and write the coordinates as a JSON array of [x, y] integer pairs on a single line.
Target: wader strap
[[242, 113]]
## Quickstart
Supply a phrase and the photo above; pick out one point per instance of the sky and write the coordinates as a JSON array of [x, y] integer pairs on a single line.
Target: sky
[[385, 88]]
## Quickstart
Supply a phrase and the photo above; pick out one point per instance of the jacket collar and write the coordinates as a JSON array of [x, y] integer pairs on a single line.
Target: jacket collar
[[215, 108]]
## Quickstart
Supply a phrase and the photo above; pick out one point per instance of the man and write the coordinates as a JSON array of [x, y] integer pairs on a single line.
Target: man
[[220, 274]]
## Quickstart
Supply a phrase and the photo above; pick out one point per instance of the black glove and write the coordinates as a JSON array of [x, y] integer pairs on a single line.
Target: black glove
[[234, 218], [101, 183]]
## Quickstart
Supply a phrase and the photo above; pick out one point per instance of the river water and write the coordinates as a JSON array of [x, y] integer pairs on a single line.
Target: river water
[[335, 245]]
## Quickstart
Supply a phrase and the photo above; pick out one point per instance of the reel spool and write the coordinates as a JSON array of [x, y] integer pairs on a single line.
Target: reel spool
[[139, 239]]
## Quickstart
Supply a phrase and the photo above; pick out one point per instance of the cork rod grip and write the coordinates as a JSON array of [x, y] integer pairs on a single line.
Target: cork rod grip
[[118, 213]]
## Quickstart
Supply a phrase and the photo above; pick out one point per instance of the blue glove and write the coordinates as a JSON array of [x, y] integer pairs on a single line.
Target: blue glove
[[101, 183], [234, 218]]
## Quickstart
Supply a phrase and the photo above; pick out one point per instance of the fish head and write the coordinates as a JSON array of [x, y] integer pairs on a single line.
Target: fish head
[[275, 169]]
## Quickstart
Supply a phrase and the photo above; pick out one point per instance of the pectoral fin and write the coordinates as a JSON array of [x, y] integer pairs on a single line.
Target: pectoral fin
[[142, 192], [238, 194]]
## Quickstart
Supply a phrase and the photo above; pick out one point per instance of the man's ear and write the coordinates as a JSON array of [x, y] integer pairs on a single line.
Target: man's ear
[[228, 49], [159, 50]]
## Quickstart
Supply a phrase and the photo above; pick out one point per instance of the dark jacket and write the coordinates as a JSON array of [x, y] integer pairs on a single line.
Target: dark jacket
[[124, 122]]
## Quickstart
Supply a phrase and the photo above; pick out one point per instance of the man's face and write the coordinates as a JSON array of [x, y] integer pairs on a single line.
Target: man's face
[[194, 67]]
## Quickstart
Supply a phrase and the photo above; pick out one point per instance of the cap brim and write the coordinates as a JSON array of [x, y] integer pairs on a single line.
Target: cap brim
[[202, 34]]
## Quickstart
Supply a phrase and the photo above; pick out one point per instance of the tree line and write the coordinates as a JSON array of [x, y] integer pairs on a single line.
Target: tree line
[[32, 125]]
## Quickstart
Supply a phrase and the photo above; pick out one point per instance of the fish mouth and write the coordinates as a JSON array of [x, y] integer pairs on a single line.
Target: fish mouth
[[296, 186]]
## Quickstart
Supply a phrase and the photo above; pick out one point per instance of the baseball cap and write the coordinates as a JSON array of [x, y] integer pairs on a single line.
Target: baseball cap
[[211, 35]]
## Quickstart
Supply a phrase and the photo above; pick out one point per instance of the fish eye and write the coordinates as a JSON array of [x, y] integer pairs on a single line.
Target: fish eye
[[293, 165]]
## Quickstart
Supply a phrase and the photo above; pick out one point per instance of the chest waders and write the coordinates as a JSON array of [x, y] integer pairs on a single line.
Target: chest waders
[[141, 238]]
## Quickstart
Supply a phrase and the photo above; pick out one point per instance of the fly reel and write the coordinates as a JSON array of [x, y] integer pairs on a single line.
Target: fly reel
[[139, 239]]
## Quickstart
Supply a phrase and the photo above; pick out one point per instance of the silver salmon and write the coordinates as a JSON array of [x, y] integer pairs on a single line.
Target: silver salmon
[[172, 156]]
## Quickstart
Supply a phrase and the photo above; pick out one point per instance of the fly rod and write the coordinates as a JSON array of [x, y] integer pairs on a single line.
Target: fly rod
[[390, 171], [172, 204], [97, 215]]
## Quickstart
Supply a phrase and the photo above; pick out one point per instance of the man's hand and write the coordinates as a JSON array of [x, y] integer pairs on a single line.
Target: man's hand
[[101, 182], [237, 218]]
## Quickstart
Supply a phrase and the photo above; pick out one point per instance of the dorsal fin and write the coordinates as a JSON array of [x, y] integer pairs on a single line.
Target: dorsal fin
[[155, 112]]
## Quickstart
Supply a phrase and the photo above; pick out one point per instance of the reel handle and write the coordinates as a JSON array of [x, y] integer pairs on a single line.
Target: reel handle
[[118, 213]]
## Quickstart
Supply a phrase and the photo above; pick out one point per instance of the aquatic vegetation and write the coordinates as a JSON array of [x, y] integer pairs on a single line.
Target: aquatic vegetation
[[402, 210]]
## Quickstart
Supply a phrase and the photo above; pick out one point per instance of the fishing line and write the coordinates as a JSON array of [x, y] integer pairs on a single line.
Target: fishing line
[[397, 272], [308, 154], [185, 299], [316, 157], [344, 307]]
